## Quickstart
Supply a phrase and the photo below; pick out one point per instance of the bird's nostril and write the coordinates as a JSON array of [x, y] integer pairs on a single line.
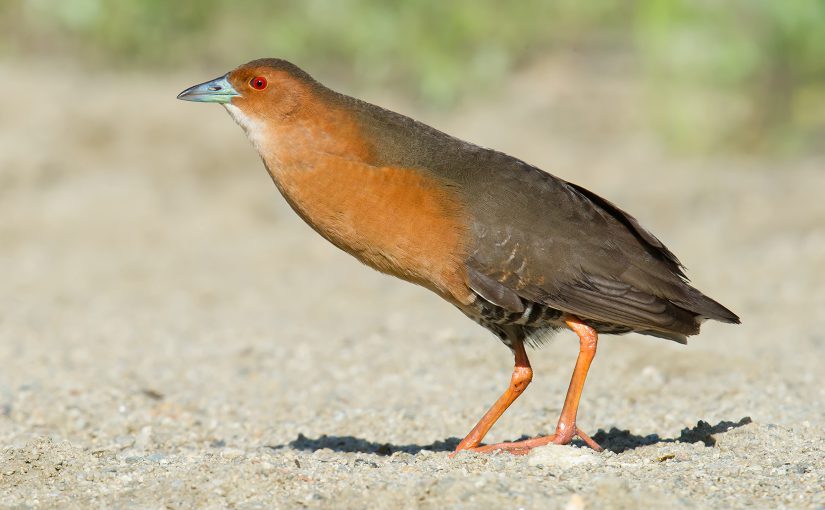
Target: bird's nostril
[[214, 88]]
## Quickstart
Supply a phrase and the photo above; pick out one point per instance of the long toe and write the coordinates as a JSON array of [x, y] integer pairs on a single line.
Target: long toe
[[588, 441], [516, 447], [524, 447]]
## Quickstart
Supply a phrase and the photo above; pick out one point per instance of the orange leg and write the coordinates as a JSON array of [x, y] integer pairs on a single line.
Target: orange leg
[[522, 375], [566, 428]]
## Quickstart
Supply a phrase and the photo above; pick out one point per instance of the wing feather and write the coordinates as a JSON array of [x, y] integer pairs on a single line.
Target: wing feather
[[568, 248]]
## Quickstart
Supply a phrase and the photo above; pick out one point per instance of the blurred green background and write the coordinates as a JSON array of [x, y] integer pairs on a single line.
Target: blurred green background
[[737, 76]]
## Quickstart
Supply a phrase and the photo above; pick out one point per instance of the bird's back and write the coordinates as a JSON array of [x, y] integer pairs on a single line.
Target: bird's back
[[539, 241]]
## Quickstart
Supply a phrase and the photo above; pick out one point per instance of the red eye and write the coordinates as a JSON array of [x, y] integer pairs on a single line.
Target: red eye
[[258, 83]]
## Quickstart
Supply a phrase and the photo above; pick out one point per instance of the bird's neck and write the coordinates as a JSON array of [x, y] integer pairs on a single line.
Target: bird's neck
[[304, 139]]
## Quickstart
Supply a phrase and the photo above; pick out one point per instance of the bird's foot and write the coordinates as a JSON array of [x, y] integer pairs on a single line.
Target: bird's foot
[[524, 447]]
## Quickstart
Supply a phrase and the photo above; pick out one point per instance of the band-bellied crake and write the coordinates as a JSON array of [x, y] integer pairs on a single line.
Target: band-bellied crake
[[516, 249]]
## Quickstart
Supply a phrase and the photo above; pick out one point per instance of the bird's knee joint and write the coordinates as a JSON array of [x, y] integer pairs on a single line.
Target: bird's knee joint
[[588, 343], [588, 337], [521, 378]]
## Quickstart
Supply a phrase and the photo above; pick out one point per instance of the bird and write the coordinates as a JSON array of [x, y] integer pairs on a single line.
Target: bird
[[519, 251]]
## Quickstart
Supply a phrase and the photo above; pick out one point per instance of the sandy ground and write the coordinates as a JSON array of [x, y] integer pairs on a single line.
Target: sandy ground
[[171, 335]]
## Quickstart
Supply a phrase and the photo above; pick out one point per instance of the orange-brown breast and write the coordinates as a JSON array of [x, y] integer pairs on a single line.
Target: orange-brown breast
[[400, 221]]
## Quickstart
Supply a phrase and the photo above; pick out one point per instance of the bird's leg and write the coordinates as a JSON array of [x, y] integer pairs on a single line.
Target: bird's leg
[[522, 375], [566, 428]]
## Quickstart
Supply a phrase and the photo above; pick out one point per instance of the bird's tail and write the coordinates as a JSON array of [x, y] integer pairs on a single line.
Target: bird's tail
[[707, 308]]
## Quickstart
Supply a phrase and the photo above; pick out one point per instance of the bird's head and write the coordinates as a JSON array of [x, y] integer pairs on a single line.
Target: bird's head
[[260, 93], [285, 113]]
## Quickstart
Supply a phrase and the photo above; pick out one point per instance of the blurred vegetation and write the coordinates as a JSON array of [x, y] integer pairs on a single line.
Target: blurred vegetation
[[740, 74]]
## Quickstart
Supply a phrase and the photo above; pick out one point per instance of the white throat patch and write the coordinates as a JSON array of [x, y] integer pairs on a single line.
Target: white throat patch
[[251, 128]]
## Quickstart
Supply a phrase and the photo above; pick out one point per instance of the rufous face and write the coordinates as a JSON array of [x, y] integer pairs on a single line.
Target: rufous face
[[266, 93]]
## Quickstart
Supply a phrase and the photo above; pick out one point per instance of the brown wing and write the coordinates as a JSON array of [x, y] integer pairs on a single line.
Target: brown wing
[[556, 243]]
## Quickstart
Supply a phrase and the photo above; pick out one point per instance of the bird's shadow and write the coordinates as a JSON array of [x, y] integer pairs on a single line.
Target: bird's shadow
[[619, 441], [615, 440]]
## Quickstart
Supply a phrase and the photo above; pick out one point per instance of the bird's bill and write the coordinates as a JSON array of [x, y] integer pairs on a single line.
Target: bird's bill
[[218, 90]]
